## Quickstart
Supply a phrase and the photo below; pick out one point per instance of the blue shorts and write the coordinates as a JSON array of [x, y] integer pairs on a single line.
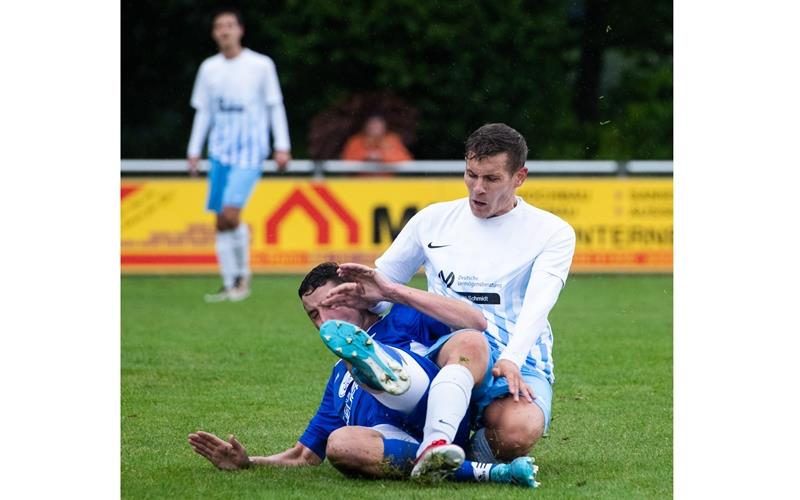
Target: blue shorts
[[230, 186], [492, 388]]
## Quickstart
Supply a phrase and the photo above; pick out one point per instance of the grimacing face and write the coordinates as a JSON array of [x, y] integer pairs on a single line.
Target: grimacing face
[[319, 314], [227, 31], [491, 186]]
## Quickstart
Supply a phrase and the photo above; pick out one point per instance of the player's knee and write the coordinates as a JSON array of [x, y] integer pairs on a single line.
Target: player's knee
[[471, 347], [343, 456], [231, 220], [337, 450], [519, 440], [515, 439], [513, 429]]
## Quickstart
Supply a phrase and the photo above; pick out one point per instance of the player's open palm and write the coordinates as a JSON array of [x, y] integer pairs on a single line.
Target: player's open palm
[[348, 295], [373, 286], [225, 455]]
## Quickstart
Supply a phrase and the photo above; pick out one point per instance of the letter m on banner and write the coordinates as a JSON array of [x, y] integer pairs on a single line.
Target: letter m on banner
[[298, 200]]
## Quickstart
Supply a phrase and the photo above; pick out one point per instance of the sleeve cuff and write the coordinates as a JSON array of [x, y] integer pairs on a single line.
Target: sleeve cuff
[[514, 358]]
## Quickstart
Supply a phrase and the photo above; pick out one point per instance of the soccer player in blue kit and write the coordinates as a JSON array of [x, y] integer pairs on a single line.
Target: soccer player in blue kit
[[375, 402]]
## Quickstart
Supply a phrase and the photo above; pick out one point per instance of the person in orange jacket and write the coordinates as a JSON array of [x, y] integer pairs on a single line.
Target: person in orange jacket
[[376, 143]]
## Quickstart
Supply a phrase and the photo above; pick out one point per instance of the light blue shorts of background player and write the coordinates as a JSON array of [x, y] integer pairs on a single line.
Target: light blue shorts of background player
[[230, 186], [492, 388]]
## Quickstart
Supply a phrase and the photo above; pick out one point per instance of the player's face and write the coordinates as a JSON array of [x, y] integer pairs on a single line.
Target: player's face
[[491, 186], [319, 314], [375, 127], [227, 31]]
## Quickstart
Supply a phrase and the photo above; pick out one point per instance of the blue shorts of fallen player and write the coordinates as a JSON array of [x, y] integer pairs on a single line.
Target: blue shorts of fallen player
[[230, 186], [492, 388]]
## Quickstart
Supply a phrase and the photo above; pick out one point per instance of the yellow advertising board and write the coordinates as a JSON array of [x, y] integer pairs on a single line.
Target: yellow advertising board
[[622, 224]]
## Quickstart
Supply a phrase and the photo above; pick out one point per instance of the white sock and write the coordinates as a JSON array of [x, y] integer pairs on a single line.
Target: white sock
[[226, 257], [241, 237], [448, 401], [406, 402]]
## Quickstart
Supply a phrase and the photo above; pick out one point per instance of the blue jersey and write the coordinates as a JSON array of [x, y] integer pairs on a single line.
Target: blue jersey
[[345, 403]]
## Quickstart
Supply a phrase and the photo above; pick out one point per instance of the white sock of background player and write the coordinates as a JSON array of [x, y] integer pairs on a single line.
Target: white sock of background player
[[226, 257], [241, 238]]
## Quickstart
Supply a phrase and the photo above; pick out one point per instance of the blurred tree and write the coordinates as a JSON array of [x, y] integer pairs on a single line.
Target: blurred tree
[[459, 63]]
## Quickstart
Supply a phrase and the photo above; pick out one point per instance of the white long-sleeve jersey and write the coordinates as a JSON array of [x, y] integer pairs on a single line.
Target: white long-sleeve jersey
[[506, 265], [240, 100]]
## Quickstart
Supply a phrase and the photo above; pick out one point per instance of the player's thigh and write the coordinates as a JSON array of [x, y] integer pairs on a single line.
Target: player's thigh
[[241, 182]]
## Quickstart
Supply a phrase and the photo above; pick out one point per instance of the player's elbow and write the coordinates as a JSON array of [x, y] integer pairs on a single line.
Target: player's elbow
[[474, 321]]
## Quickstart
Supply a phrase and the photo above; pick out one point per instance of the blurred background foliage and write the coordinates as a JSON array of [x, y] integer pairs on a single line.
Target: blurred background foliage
[[585, 79]]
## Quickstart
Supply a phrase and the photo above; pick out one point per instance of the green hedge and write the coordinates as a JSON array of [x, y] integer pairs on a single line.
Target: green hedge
[[460, 63]]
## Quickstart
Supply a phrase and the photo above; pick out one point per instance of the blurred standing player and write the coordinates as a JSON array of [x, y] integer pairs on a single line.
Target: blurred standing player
[[238, 97], [511, 260]]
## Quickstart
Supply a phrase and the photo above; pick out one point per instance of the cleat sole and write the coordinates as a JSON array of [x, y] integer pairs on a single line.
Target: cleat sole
[[372, 365]]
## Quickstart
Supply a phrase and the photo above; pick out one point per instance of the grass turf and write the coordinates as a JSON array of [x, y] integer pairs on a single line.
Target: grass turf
[[257, 369]]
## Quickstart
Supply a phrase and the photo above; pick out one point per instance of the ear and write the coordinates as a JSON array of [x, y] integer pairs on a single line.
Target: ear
[[520, 176]]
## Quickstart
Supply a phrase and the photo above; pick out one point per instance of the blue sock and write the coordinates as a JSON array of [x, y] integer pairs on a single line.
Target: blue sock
[[399, 453], [472, 472]]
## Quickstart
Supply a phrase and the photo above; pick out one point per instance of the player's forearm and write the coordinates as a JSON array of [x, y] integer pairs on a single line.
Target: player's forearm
[[543, 291], [452, 312], [296, 456], [280, 128], [200, 126]]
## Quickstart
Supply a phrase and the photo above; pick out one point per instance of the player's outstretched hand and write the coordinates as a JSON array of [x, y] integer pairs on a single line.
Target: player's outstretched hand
[[516, 385], [225, 455]]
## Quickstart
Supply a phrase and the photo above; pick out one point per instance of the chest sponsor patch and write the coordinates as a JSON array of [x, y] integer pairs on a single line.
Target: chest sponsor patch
[[480, 297], [345, 384]]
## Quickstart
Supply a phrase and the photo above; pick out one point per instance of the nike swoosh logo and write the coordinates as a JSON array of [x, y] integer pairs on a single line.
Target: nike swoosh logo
[[431, 245], [447, 424]]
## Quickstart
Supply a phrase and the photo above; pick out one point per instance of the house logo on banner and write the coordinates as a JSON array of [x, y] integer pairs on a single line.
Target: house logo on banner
[[300, 201]]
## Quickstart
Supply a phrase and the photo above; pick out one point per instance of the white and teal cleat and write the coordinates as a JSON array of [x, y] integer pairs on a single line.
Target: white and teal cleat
[[521, 471], [372, 365]]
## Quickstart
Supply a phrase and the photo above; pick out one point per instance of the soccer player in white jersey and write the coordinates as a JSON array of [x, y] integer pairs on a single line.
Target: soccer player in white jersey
[[511, 260], [238, 98]]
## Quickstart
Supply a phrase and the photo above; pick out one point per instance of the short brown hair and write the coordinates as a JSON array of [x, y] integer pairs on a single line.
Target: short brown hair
[[494, 139], [318, 276], [228, 10]]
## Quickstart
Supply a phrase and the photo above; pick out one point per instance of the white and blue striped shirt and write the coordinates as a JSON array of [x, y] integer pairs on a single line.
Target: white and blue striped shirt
[[243, 101], [489, 262]]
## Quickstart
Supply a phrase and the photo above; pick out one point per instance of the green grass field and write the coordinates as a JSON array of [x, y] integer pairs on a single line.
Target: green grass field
[[257, 369]]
